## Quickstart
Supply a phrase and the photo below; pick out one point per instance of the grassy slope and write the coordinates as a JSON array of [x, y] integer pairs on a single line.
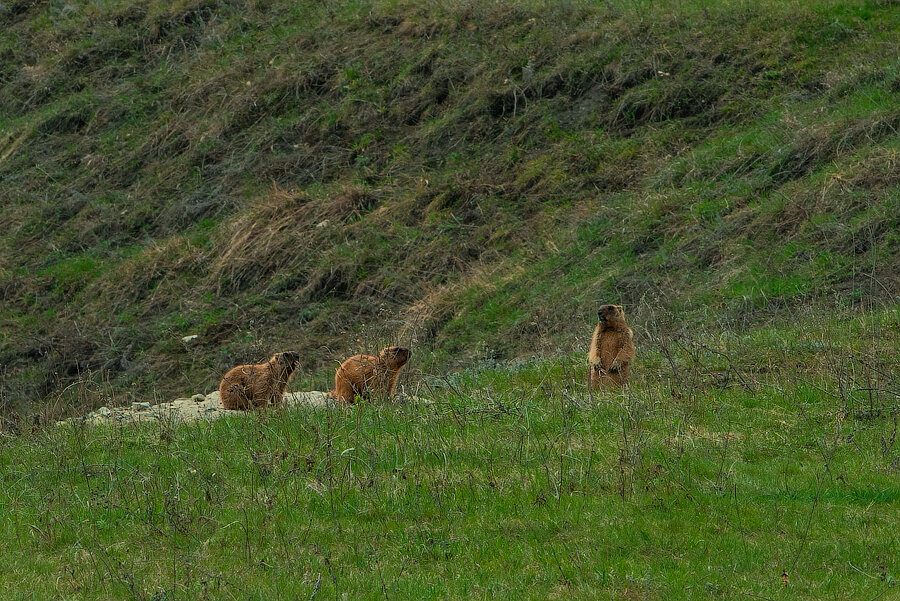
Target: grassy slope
[[481, 172], [511, 483], [461, 177]]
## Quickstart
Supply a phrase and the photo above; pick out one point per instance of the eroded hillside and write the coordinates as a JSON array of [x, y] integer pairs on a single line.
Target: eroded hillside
[[464, 177]]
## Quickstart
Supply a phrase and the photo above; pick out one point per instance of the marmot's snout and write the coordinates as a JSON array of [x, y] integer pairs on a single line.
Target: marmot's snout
[[400, 354]]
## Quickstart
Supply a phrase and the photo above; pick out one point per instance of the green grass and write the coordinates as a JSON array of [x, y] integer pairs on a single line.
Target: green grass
[[72, 273], [510, 481]]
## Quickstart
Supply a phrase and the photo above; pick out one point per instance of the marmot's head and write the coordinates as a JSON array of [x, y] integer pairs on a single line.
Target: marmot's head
[[610, 313], [288, 360], [395, 357]]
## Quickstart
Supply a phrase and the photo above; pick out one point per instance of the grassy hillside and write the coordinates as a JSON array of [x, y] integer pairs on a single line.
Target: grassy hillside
[[468, 178], [471, 179]]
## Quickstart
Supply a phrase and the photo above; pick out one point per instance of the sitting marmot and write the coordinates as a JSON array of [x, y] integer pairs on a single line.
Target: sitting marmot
[[612, 348], [363, 375], [248, 386]]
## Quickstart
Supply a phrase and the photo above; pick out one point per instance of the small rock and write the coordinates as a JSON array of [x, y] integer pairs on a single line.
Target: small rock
[[136, 406], [103, 412], [190, 339], [208, 409], [198, 398]]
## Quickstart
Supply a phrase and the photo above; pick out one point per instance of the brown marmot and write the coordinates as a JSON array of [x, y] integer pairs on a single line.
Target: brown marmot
[[363, 375], [248, 386], [612, 348]]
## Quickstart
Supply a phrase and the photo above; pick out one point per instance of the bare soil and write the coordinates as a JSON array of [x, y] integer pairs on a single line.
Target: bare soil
[[199, 406]]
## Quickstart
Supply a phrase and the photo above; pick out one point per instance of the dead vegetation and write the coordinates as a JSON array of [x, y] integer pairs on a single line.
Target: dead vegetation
[[484, 169]]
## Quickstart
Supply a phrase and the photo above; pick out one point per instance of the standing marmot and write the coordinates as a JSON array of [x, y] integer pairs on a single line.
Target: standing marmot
[[364, 374], [247, 386], [612, 348]]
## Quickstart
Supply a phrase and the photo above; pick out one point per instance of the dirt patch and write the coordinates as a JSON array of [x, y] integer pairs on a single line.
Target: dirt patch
[[199, 406]]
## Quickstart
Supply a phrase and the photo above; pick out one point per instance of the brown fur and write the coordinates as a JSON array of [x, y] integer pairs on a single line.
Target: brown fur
[[248, 386], [612, 349], [363, 375]]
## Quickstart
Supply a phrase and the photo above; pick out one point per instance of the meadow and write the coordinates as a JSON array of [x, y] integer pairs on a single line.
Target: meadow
[[189, 185], [760, 465]]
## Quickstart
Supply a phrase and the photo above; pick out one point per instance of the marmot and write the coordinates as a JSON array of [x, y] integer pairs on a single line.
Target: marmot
[[362, 375], [248, 386], [612, 348]]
